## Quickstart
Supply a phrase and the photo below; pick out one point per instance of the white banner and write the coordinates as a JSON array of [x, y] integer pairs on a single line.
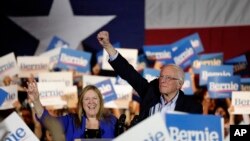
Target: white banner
[[66, 77], [8, 66], [124, 95], [13, 128], [130, 54], [91, 79], [11, 98], [56, 94], [241, 102], [152, 128], [32, 65]]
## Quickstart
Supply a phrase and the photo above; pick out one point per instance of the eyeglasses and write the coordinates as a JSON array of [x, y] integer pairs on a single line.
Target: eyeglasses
[[167, 78]]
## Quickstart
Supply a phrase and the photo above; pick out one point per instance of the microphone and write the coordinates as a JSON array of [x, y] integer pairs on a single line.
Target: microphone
[[134, 121], [120, 125]]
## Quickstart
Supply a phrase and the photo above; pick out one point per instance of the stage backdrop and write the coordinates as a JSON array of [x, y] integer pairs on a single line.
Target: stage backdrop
[[28, 26]]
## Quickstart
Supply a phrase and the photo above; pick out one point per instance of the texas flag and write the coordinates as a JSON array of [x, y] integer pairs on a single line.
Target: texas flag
[[28, 26]]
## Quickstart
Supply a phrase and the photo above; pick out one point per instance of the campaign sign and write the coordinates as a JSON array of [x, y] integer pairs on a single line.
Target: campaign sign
[[130, 55], [241, 102], [8, 66], [183, 54], [74, 60], [53, 56], [3, 95], [222, 86], [93, 79], [158, 53], [57, 42], [245, 84], [210, 59], [151, 129], [187, 86], [192, 127], [11, 97], [239, 132], [107, 90], [51, 93], [240, 64], [32, 65], [124, 96], [13, 128], [66, 77], [194, 40], [150, 74], [208, 71]]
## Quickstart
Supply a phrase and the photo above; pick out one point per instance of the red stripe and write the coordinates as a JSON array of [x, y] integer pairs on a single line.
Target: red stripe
[[232, 41]]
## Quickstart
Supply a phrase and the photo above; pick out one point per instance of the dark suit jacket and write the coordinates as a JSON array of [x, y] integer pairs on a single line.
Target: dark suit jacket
[[149, 91]]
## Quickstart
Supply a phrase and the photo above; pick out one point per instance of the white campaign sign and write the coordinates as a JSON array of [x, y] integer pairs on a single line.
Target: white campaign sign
[[11, 97], [32, 65], [8, 66], [150, 129], [130, 54], [66, 77], [91, 79], [13, 128], [124, 96], [241, 102]]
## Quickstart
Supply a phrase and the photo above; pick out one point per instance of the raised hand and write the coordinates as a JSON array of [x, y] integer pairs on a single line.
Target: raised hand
[[33, 95], [103, 38], [32, 91]]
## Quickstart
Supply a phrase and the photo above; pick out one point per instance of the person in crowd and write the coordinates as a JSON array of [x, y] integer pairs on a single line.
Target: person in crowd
[[88, 122], [133, 109], [160, 95]]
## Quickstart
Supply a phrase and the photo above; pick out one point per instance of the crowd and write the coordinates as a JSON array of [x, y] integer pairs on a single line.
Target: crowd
[[90, 119]]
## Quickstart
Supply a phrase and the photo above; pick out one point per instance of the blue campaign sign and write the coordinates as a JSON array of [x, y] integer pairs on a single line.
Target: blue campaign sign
[[240, 64], [183, 54], [194, 40], [210, 59], [187, 86], [222, 86], [158, 53], [245, 84], [107, 90], [3, 95], [184, 127], [57, 42], [150, 73], [74, 59], [207, 71]]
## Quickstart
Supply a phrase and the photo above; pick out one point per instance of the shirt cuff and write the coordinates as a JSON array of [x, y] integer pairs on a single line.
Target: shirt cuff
[[41, 119], [112, 58]]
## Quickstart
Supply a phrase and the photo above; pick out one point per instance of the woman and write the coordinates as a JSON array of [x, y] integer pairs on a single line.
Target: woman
[[89, 121]]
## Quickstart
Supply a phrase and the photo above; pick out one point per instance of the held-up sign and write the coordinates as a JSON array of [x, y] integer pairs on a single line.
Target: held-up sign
[[13, 128], [150, 129], [241, 102]]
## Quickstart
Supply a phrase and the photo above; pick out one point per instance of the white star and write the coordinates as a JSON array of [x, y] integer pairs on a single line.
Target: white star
[[62, 23]]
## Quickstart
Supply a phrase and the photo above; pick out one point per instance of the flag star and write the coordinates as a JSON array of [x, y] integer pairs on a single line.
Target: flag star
[[63, 23]]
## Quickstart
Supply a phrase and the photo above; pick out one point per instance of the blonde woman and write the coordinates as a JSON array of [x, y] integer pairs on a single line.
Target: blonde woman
[[88, 122]]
